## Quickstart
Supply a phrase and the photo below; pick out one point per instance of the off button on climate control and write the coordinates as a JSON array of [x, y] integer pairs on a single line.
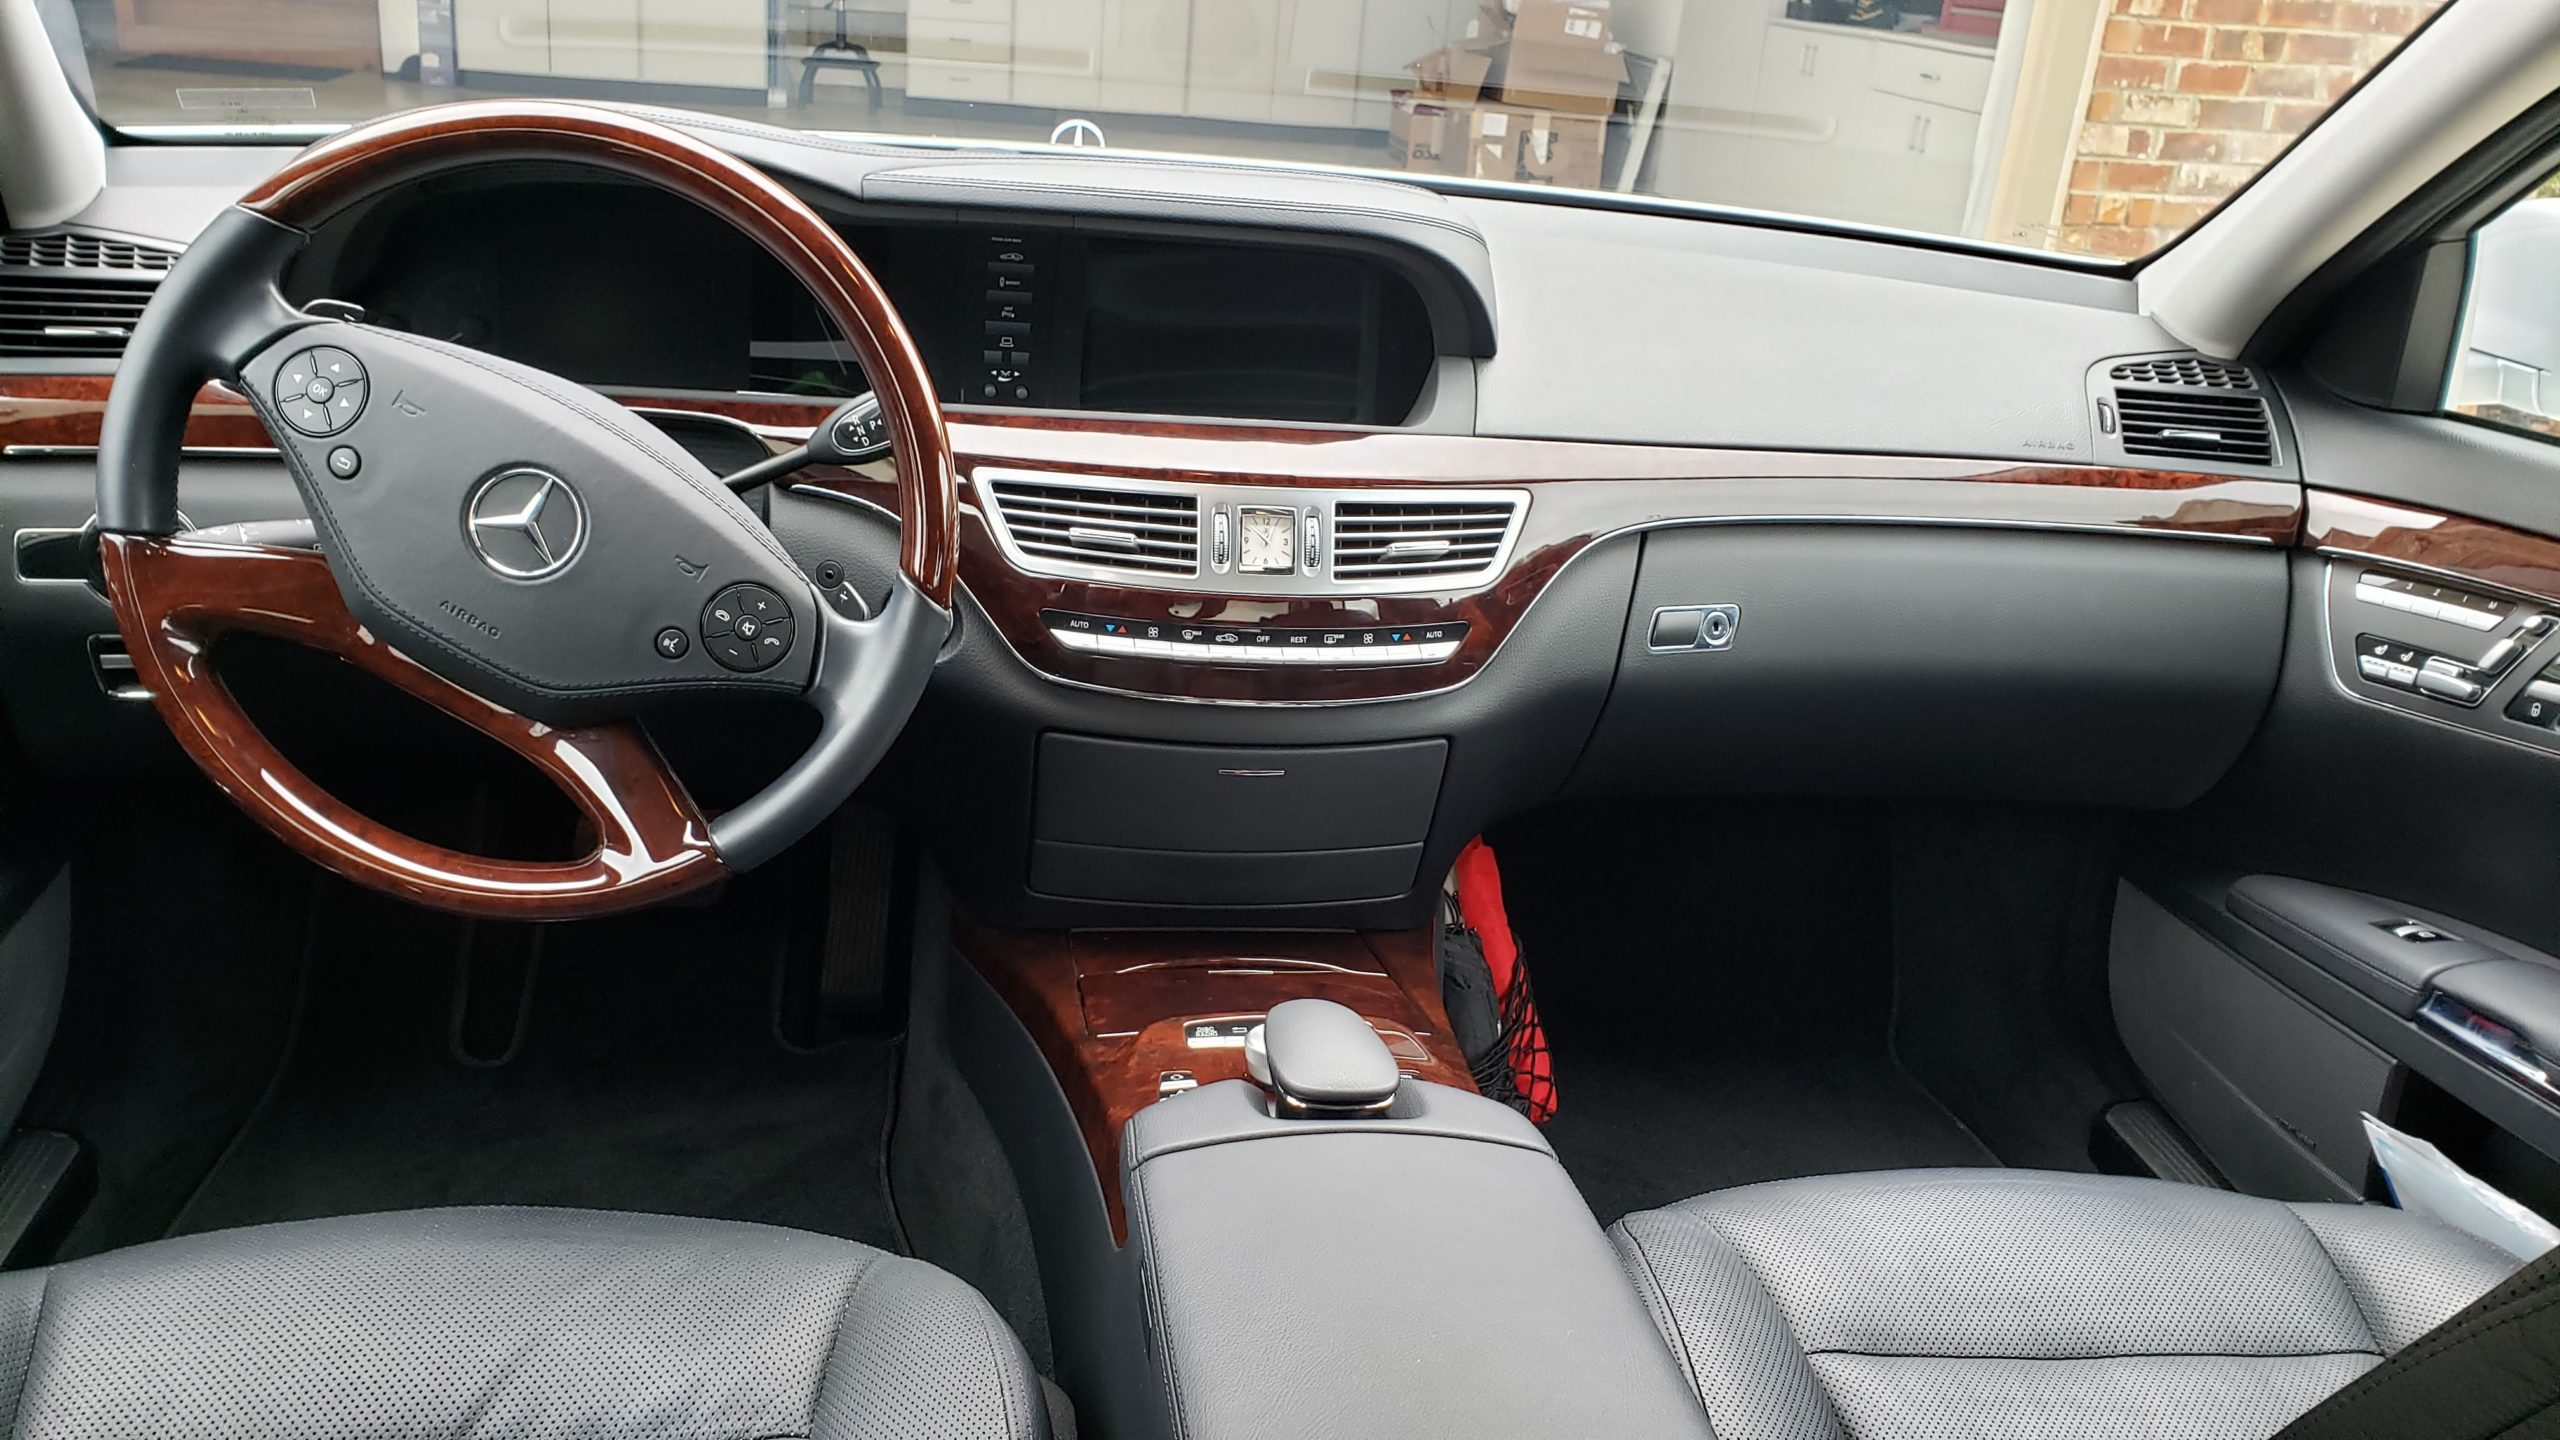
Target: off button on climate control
[[747, 627]]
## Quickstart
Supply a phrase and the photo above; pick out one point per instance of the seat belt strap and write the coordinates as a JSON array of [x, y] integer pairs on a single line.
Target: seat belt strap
[[2493, 1370]]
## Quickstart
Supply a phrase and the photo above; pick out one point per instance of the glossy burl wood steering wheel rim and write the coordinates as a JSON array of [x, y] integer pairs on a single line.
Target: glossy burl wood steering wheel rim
[[175, 595]]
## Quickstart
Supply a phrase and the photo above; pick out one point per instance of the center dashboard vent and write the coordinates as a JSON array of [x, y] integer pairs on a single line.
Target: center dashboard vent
[[73, 296], [2187, 407], [1144, 532], [1419, 539]]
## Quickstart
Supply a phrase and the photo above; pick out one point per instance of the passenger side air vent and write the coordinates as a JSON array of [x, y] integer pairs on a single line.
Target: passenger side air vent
[[72, 296], [1419, 539], [2186, 407], [1102, 527]]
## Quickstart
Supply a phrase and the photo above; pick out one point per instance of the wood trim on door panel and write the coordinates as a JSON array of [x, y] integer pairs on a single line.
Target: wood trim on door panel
[[2451, 545]]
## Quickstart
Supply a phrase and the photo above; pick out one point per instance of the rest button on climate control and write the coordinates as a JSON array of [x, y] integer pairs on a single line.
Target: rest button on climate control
[[747, 627]]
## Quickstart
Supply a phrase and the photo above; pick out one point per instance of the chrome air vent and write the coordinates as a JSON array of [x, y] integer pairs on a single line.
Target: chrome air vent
[[1076, 525], [74, 296], [1437, 541], [2200, 424]]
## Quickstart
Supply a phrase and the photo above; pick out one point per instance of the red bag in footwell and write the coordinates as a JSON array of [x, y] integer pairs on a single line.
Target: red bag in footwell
[[1480, 906]]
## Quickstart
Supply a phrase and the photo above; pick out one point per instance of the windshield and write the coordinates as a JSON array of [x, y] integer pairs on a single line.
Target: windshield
[[2091, 127]]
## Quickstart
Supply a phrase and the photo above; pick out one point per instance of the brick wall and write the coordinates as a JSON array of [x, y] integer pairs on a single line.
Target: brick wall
[[2188, 98]]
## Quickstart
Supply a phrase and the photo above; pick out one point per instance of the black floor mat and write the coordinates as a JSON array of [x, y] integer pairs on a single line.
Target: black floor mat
[[1717, 982], [647, 1076], [1646, 1128]]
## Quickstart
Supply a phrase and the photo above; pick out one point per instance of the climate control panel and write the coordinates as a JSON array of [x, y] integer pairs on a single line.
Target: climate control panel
[[1205, 644]]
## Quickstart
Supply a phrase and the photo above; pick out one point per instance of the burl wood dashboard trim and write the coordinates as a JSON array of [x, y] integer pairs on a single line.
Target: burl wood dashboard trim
[[1581, 493], [1109, 1011], [2453, 546]]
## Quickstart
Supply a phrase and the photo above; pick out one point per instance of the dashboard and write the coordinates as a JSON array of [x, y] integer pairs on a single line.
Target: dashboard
[[618, 284], [1343, 518]]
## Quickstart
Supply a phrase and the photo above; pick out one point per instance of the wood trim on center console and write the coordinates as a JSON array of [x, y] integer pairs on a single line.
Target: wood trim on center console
[[1110, 1012]]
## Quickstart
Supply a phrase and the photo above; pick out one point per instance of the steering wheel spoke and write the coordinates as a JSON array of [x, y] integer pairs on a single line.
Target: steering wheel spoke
[[176, 597]]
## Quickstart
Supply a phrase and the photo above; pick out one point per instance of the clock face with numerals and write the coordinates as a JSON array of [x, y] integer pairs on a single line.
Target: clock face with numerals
[[1266, 541]]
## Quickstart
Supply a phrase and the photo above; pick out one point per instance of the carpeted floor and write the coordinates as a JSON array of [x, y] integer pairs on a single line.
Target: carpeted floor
[[639, 1069], [1718, 986]]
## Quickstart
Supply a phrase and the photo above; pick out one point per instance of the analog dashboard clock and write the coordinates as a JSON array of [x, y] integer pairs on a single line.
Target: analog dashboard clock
[[1266, 540]]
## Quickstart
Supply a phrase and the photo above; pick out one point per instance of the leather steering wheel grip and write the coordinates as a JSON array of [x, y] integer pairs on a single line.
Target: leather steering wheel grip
[[175, 596]]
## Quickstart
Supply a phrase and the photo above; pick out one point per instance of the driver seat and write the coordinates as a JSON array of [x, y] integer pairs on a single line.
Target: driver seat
[[528, 1324]]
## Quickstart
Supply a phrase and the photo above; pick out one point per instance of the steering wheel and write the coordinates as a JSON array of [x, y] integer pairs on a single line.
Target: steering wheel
[[516, 551]]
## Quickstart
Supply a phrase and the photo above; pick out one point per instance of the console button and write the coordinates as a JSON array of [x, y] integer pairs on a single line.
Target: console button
[[2450, 687]]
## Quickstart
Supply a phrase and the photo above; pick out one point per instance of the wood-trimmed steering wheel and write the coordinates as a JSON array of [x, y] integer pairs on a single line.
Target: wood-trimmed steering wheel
[[516, 551]]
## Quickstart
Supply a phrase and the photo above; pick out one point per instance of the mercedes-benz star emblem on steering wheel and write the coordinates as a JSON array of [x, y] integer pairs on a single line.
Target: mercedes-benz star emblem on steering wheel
[[526, 524]]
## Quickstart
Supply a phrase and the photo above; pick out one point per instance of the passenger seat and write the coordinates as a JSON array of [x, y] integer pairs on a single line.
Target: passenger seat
[[2004, 1302]]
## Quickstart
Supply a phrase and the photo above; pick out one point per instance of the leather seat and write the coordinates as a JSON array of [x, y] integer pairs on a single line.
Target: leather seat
[[516, 1323], [1924, 1303]]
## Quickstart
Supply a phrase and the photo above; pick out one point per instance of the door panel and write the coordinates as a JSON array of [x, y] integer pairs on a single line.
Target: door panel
[[2407, 806]]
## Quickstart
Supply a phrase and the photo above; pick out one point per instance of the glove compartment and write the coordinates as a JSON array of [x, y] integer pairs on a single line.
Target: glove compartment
[[1939, 661]]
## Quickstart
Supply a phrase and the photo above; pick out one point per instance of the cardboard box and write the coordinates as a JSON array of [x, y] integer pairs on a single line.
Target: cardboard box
[[1540, 147], [1456, 73], [1562, 58], [1427, 134], [1565, 150], [1566, 23]]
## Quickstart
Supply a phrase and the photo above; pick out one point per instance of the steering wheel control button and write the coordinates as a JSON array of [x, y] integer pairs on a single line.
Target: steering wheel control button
[[747, 627], [321, 390], [344, 462], [673, 643]]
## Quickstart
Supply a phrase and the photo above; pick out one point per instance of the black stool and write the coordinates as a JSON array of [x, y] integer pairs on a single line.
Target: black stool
[[842, 52]]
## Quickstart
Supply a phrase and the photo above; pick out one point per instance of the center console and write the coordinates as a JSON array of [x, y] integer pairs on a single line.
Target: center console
[[1308, 1222], [1426, 1271]]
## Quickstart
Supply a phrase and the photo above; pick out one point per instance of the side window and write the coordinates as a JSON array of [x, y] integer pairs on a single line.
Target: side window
[[2506, 359]]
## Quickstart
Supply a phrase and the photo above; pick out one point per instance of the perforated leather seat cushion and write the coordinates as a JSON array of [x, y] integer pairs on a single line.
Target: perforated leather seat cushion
[[1924, 1303], [518, 1323]]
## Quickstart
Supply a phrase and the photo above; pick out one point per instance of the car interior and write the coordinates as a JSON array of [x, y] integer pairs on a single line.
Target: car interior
[[677, 769]]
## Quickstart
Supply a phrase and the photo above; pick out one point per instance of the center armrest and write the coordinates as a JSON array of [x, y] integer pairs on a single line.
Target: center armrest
[[1425, 1272]]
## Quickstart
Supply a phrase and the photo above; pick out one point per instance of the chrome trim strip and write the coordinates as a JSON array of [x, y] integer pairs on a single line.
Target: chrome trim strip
[[90, 452], [2443, 1013], [2451, 577]]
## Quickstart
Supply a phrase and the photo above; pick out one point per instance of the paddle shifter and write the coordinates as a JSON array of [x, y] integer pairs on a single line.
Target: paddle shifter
[[1318, 1058]]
